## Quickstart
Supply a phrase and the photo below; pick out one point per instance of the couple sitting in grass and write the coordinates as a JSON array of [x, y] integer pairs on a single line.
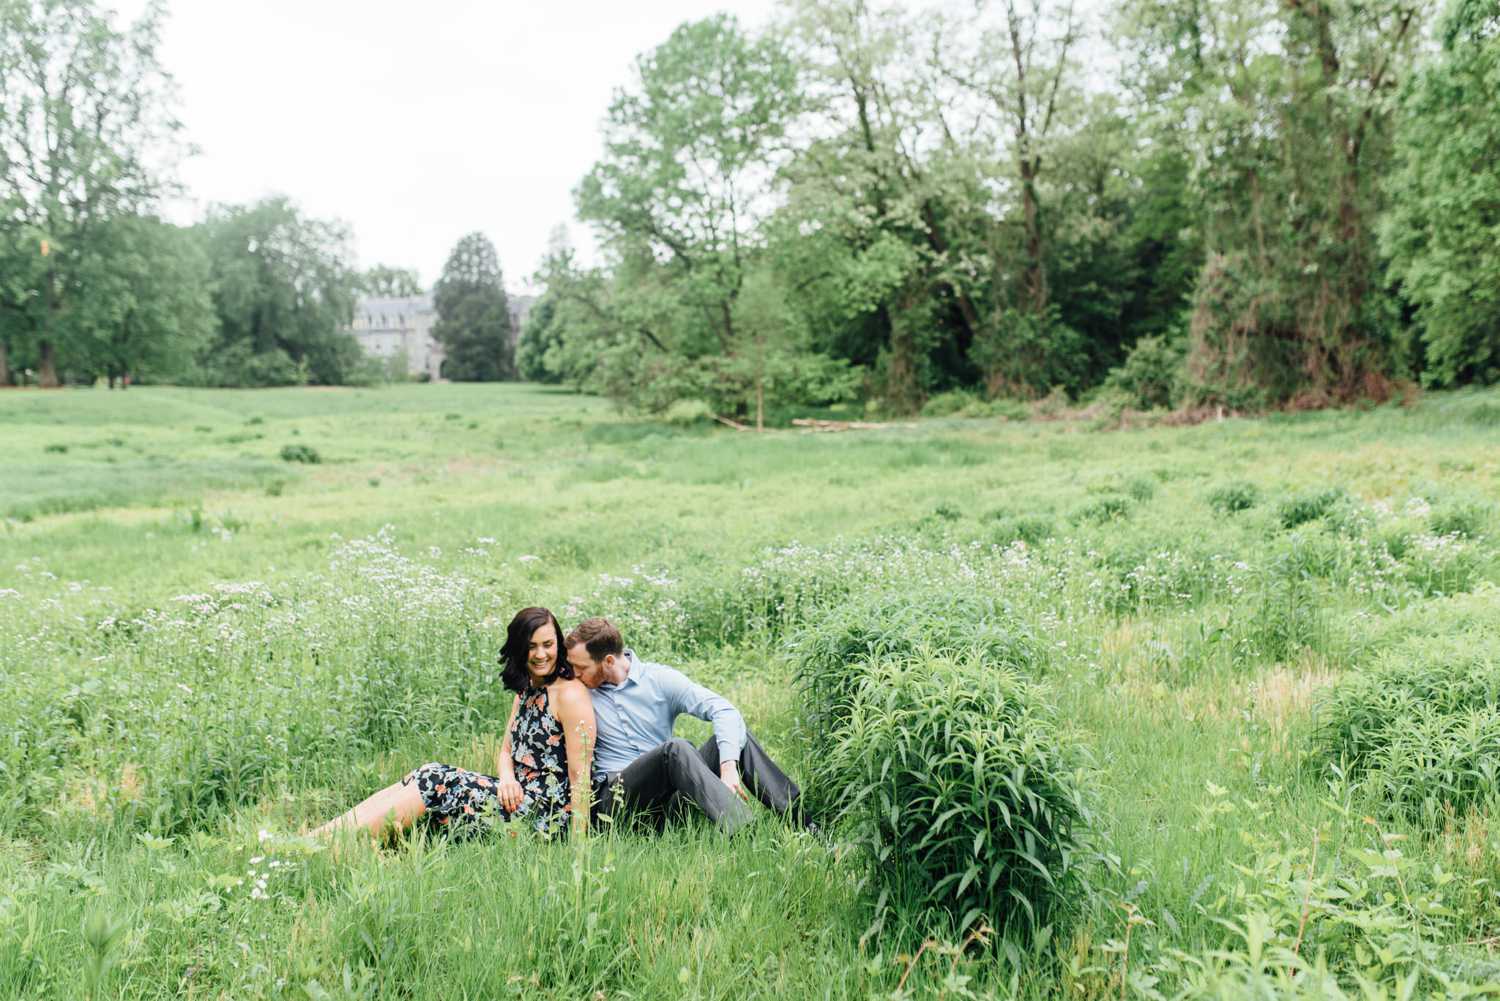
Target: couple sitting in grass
[[589, 737]]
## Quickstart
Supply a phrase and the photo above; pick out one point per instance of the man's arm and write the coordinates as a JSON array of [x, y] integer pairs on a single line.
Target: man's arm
[[687, 696]]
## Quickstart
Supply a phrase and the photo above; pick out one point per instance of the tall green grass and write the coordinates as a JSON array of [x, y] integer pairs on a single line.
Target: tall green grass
[[182, 670]]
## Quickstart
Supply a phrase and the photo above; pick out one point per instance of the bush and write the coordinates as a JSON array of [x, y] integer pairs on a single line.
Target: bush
[[300, 453], [1421, 727], [685, 413], [1299, 509], [1150, 374], [1105, 509], [1234, 497], [954, 782], [1031, 530], [1355, 719], [947, 404], [833, 650], [1466, 519]]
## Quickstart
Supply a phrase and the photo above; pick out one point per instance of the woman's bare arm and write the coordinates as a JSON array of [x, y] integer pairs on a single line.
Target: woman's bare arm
[[509, 789], [575, 711]]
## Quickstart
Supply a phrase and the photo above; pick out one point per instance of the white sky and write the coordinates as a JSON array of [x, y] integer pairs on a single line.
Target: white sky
[[413, 124]]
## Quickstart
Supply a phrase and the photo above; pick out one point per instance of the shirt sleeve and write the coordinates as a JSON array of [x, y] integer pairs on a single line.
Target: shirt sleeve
[[687, 696]]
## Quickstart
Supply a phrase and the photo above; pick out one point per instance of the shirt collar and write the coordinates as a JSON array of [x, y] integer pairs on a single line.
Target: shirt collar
[[633, 671]]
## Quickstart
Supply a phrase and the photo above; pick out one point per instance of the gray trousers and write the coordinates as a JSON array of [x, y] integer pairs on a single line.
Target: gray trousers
[[673, 774]]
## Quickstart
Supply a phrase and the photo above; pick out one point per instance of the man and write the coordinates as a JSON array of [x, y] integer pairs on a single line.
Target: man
[[639, 767]]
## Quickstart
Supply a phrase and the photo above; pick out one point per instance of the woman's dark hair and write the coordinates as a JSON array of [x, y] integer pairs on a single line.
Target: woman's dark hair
[[517, 649]]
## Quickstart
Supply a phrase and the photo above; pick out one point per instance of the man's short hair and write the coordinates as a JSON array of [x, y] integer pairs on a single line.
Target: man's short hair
[[599, 636]]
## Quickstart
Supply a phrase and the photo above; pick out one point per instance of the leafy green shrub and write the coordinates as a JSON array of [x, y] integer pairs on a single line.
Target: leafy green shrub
[[1421, 727], [300, 453], [953, 779], [1141, 488], [1359, 921], [1467, 519], [685, 413], [1301, 508], [1436, 763], [1031, 530], [1231, 498], [1357, 719], [949, 403], [1151, 373], [833, 650], [1103, 509]]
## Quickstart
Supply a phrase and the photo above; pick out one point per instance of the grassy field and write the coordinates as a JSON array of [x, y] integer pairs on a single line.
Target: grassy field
[[1268, 650]]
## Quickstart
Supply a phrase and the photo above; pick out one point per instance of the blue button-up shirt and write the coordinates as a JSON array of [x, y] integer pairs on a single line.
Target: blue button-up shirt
[[637, 715]]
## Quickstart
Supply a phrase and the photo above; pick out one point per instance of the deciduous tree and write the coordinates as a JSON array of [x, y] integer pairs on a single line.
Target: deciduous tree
[[284, 292], [1440, 232], [87, 135]]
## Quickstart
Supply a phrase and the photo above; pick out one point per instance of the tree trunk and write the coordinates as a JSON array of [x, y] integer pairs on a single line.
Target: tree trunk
[[760, 403], [4, 365], [902, 390], [47, 366], [1035, 289]]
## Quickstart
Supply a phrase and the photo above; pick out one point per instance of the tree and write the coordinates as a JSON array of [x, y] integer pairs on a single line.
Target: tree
[[149, 313], [85, 121], [396, 283], [1288, 129], [473, 323], [284, 293], [1445, 198], [539, 335], [686, 178]]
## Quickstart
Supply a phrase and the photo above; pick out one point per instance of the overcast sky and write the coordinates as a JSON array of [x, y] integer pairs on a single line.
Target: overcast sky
[[413, 124]]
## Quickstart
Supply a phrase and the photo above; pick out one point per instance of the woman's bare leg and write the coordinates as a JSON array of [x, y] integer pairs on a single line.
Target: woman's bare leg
[[394, 808]]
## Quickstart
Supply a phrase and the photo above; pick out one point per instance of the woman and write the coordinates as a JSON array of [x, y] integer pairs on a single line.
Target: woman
[[544, 762]]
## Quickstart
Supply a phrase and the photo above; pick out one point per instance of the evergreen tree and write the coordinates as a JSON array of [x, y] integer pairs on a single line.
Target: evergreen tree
[[473, 324]]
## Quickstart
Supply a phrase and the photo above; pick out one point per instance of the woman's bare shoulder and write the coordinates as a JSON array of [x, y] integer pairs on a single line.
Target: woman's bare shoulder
[[569, 692]]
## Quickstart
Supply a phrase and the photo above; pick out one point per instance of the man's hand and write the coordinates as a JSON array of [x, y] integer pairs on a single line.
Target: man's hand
[[510, 793], [729, 772]]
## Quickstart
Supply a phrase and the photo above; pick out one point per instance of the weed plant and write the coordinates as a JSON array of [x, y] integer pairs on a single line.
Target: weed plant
[[951, 775]]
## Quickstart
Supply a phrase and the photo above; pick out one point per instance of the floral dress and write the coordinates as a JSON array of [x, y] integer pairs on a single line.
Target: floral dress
[[465, 803]]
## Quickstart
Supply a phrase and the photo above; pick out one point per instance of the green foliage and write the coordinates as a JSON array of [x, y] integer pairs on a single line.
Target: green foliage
[[89, 139], [1449, 677], [199, 659], [384, 280], [1310, 505], [686, 413], [473, 323], [541, 334], [954, 780], [1445, 198], [283, 289], [1231, 498], [1103, 509], [300, 453], [1362, 919], [1150, 374], [836, 648]]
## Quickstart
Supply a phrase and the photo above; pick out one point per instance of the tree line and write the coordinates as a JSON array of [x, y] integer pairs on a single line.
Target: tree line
[[94, 283], [1241, 203]]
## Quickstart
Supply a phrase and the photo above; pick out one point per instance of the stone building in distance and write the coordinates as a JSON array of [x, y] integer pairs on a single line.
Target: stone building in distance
[[387, 327]]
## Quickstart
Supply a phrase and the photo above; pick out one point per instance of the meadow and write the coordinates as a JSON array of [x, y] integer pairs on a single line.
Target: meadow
[[1177, 711]]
